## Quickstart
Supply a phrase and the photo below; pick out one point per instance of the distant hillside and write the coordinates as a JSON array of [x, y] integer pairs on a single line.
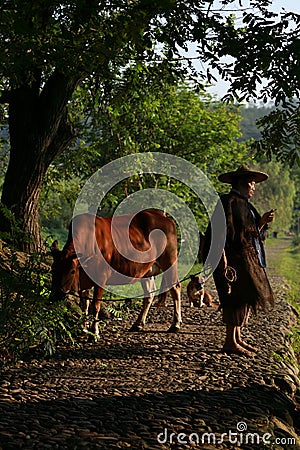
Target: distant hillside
[[250, 115]]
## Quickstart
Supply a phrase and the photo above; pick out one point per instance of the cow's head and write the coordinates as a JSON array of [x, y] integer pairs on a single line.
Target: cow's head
[[65, 272]]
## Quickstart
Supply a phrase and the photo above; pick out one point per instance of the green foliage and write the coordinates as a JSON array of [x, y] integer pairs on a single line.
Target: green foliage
[[57, 198], [98, 43], [249, 124], [121, 309], [280, 134], [262, 44], [296, 242], [4, 152], [29, 325], [283, 186], [159, 117], [16, 234], [173, 120], [278, 192], [49, 49], [288, 265], [295, 175]]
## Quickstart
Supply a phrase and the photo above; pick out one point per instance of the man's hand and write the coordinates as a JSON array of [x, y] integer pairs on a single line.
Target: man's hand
[[267, 217]]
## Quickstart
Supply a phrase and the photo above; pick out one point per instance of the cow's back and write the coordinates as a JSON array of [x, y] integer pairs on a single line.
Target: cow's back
[[124, 242], [90, 233]]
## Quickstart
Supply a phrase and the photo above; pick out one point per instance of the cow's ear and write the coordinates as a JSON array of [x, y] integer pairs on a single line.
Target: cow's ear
[[54, 249]]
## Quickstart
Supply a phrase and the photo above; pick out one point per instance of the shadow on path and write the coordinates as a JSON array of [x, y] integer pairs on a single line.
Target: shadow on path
[[159, 420]]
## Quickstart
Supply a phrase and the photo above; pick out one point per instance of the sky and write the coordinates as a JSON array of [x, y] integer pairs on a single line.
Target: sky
[[220, 88], [289, 5]]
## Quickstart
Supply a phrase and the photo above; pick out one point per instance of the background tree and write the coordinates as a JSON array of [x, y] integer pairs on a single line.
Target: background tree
[[295, 175], [267, 69], [48, 48], [278, 192], [251, 114], [168, 119]]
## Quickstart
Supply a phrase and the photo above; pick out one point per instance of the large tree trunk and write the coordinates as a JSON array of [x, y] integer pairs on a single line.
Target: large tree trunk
[[39, 131]]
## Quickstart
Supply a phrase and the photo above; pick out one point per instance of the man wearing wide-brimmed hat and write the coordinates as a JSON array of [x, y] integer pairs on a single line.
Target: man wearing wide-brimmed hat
[[240, 277]]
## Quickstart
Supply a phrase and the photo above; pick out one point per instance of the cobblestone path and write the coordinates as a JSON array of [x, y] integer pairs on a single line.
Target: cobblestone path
[[158, 391]]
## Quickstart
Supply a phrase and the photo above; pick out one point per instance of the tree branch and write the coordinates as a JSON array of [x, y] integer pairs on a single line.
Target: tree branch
[[56, 93], [62, 139]]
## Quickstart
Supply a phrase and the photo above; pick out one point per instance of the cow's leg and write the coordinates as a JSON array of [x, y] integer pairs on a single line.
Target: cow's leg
[[162, 301], [175, 292], [170, 278], [98, 293], [84, 305], [148, 285]]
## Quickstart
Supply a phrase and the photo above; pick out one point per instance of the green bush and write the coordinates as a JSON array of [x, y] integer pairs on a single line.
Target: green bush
[[296, 241], [30, 325]]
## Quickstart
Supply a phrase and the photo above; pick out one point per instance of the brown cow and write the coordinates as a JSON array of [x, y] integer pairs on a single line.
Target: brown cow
[[98, 252]]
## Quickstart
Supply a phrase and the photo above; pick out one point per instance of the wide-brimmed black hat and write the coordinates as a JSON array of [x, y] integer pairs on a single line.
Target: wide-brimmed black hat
[[241, 172]]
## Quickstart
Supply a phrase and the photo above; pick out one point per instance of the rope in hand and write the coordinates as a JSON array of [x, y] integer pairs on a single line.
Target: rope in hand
[[231, 277], [230, 274]]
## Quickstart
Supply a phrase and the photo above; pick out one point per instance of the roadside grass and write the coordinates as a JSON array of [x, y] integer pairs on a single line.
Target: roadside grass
[[286, 262]]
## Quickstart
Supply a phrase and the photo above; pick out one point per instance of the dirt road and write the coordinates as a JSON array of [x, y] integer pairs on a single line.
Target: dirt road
[[155, 390]]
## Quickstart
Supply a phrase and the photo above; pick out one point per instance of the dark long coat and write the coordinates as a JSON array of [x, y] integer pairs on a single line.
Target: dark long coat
[[244, 250]]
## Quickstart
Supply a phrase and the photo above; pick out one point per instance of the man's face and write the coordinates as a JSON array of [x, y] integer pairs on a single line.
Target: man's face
[[246, 187]]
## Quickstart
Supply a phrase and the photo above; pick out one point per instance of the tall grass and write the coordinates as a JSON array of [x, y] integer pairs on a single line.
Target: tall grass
[[286, 262]]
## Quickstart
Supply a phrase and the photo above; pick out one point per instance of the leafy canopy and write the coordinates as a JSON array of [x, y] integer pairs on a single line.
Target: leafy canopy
[[256, 50], [167, 119]]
